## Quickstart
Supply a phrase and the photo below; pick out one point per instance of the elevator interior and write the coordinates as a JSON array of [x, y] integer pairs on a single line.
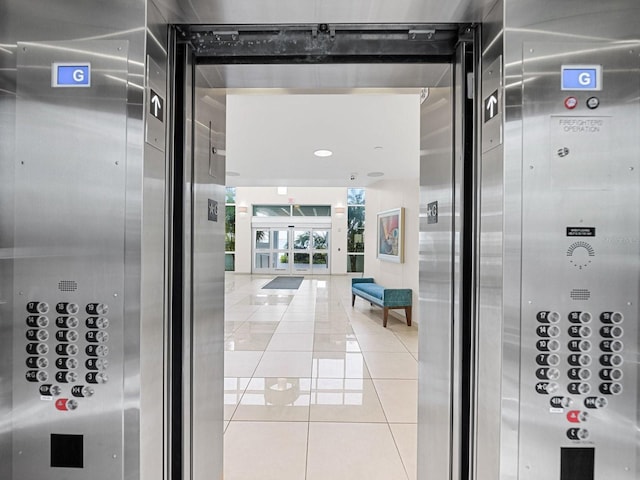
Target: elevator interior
[[80, 345], [103, 239]]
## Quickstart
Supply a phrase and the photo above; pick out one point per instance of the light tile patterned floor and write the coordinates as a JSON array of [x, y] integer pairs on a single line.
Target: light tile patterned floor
[[316, 389]]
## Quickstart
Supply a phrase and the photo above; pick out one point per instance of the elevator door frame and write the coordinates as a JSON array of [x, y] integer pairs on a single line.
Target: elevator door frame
[[455, 53]]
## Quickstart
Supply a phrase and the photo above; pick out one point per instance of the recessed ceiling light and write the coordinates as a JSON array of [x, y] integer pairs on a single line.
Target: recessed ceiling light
[[375, 174], [323, 153], [377, 148], [232, 174]]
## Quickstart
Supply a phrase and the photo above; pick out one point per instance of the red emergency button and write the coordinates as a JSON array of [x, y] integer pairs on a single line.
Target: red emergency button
[[573, 416], [576, 416], [571, 103], [65, 404]]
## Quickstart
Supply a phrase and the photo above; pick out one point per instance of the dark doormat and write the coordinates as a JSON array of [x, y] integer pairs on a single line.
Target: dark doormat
[[291, 283]]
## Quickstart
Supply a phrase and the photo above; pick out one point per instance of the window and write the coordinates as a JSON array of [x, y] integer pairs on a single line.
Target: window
[[231, 195], [355, 229], [292, 210], [312, 210], [230, 230], [271, 210]]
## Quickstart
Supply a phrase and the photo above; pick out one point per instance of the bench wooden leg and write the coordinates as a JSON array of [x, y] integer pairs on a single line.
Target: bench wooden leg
[[353, 300], [407, 312], [386, 317]]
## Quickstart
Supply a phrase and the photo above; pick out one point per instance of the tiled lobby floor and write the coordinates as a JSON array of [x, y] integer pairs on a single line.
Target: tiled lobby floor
[[316, 389]]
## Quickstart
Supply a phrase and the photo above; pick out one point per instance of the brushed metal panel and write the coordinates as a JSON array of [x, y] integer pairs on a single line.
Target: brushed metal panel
[[39, 20], [187, 254], [153, 421], [70, 218], [153, 317], [491, 83], [436, 289], [7, 166], [42, 21], [572, 158], [494, 440], [332, 11], [532, 21], [489, 339], [207, 269], [326, 76], [571, 21], [157, 102], [459, 98]]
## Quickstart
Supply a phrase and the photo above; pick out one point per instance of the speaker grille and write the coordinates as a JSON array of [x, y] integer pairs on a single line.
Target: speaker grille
[[580, 294], [67, 285]]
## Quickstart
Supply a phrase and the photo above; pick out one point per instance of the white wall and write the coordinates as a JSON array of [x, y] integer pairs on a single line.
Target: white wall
[[334, 196], [387, 195]]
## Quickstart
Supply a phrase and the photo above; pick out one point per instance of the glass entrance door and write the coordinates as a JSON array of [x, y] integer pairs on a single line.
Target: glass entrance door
[[291, 250], [280, 254], [320, 251], [301, 250]]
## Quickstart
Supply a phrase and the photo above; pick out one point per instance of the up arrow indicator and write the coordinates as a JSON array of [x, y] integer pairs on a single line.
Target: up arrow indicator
[[156, 106], [491, 108], [491, 105]]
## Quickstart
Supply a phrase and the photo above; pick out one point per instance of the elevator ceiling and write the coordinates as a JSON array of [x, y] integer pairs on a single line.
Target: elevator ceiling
[[323, 11]]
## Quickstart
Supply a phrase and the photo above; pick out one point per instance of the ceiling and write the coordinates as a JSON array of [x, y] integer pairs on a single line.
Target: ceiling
[[278, 115], [323, 11], [271, 137]]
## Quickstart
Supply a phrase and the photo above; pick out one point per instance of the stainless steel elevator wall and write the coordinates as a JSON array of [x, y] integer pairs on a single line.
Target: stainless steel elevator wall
[[491, 340], [207, 319], [511, 28], [505, 324], [150, 182], [436, 288], [580, 253], [132, 241], [59, 255], [38, 22]]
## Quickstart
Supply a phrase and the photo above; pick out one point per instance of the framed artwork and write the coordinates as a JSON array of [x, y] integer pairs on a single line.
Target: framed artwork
[[391, 235]]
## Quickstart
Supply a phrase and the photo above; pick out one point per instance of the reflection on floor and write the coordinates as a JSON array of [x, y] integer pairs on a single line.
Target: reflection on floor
[[316, 389]]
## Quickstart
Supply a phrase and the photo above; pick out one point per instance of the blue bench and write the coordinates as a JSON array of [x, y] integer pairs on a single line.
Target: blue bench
[[387, 298]]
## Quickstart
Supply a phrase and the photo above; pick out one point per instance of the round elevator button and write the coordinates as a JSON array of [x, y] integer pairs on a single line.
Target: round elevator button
[[593, 103], [570, 103]]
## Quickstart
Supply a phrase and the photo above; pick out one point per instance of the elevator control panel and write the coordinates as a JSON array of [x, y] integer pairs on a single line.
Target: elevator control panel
[[66, 351], [578, 415], [68, 374], [69, 336], [580, 364]]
